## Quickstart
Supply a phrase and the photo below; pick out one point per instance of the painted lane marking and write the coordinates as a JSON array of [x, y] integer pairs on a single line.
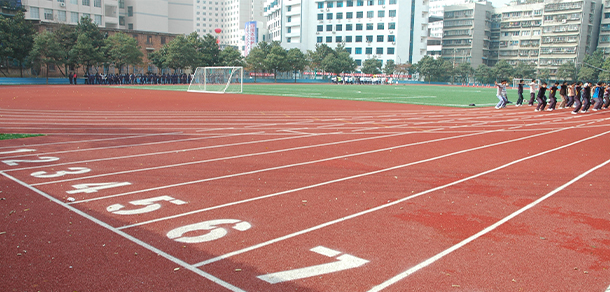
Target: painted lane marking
[[608, 289], [129, 237], [149, 205], [71, 170], [236, 156], [15, 162], [214, 233], [17, 151], [344, 262], [94, 187], [355, 215], [327, 182], [488, 229], [275, 168]]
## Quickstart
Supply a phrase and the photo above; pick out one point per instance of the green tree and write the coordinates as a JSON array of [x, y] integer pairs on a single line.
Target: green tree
[[21, 39], [503, 70], [338, 61], [568, 71], [372, 66], [464, 71], [389, 68], [230, 56], [316, 57], [123, 50], [90, 44], [159, 58], [5, 48], [524, 70], [66, 37], [207, 50], [544, 74], [484, 74], [45, 51], [277, 60], [181, 54], [444, 69], [428, 67], [256, 60], [297, 61], [605, 74], [589, 71]]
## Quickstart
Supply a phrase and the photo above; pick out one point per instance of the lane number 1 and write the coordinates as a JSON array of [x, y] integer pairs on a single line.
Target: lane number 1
[[344, 262]]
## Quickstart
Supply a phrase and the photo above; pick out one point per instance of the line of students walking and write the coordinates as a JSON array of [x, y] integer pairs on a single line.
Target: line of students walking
[[576, 95]]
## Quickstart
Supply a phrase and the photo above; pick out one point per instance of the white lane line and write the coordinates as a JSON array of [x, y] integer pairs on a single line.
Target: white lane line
[[608, 289], [131, 156], [275, 167], [129, 237], [236, 156], [355, 215], [89, 141], [488, 229]]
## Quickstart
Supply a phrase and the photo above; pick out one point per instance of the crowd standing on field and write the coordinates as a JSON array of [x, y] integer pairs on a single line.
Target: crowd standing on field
[[118, 79], [578, 95]]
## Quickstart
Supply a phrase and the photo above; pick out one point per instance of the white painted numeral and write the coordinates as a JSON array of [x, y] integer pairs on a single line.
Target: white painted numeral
[[215, 232], [149, 204], [345, 262], [71, 170], [92, 188], [17, 151], [14, 162]]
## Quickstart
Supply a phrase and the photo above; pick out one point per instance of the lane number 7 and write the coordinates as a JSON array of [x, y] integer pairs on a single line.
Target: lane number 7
[[344, 262], [149, 205]]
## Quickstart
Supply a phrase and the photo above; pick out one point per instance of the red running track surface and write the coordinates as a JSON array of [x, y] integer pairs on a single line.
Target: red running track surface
[[139, 190]]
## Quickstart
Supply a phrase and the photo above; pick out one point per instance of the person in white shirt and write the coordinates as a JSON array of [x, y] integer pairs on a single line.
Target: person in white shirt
[[533, 89], [501, 94]]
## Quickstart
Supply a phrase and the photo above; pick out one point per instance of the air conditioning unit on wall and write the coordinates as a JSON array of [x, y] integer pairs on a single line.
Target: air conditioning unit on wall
[[62, 4]]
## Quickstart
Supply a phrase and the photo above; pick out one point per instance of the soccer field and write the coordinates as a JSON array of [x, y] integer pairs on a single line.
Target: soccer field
[[439, 95]]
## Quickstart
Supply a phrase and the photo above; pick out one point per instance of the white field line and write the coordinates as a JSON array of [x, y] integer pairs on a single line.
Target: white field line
[[277, 167], [129, 237], [488, 229], [608, 289], [355, 215], [236, 156], [89, 141], [336, 180], [146, 154]]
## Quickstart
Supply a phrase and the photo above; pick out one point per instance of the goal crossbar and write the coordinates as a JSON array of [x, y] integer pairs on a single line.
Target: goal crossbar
[[217, 80]]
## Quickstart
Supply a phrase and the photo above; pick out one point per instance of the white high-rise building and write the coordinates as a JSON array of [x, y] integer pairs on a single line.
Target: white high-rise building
[[230, 17], [156, 15], [104, 13], [380, 29]]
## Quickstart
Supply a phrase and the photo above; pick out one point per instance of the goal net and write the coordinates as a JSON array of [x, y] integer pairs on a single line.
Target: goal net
[[217, 80]]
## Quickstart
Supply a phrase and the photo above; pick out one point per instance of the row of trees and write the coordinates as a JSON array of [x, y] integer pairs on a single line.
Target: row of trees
[[595, 67]]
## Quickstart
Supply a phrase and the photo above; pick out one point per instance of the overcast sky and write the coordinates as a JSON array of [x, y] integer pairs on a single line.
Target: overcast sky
[[499, 3]]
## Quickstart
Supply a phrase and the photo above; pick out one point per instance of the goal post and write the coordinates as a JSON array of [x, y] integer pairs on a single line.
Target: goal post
[[217, 80]]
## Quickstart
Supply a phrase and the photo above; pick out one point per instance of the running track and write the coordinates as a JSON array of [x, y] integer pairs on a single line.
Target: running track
[[135, 190]]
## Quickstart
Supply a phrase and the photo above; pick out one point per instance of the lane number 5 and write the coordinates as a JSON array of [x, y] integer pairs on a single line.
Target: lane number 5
[[149, 205]]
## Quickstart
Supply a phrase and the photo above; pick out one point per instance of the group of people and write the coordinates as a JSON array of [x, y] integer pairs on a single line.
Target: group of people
[[363, 80], [578, 95], [115, 79]]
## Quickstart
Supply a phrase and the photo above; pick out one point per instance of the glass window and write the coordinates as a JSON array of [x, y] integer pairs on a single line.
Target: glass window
[[339, 15], [380, 26], [289, 19], [129, 10], [338, 39], [349, 15], [379, 51], [392, 1], [369, 38], [358, 38], [320, 6], [329, 4], [348, 27], [359, 62], [349, 50], [48, 14], [86, 3], [329, 27], [339, 27], [339, 3], [329, 39], [380, 38], [358, 51], [359, 14], [320, 28], [350, 4], [289, 30], [370, 2], [391, 38], [97, 3], [74, 18], [390, 51], [369, 26], [329, 16], [360, 3], [289, 8], [369, 51], [319, 40], [320, 16], [381, 2], [381, 13], [392, 13], [34, 13], [392, 25], [370, 14], [348, 39], [61, 16], [75, 2]]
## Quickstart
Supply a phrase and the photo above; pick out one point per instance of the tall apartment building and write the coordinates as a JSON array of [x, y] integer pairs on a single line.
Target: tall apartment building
[[156, 15], [467, 33], [231, 18], [104, 13], [603, 42], [367, 28]]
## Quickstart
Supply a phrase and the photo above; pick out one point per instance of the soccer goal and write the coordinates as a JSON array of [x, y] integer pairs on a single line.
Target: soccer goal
[[217, 80]]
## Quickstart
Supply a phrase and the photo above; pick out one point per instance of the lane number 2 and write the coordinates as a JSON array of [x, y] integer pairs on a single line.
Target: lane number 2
[[214, 233], [344, 262], [149, 205], [71, 170], [14, 162]]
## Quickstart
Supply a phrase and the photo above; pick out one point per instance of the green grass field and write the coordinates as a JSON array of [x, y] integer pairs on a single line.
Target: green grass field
[[17, 136], [453, 96]]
